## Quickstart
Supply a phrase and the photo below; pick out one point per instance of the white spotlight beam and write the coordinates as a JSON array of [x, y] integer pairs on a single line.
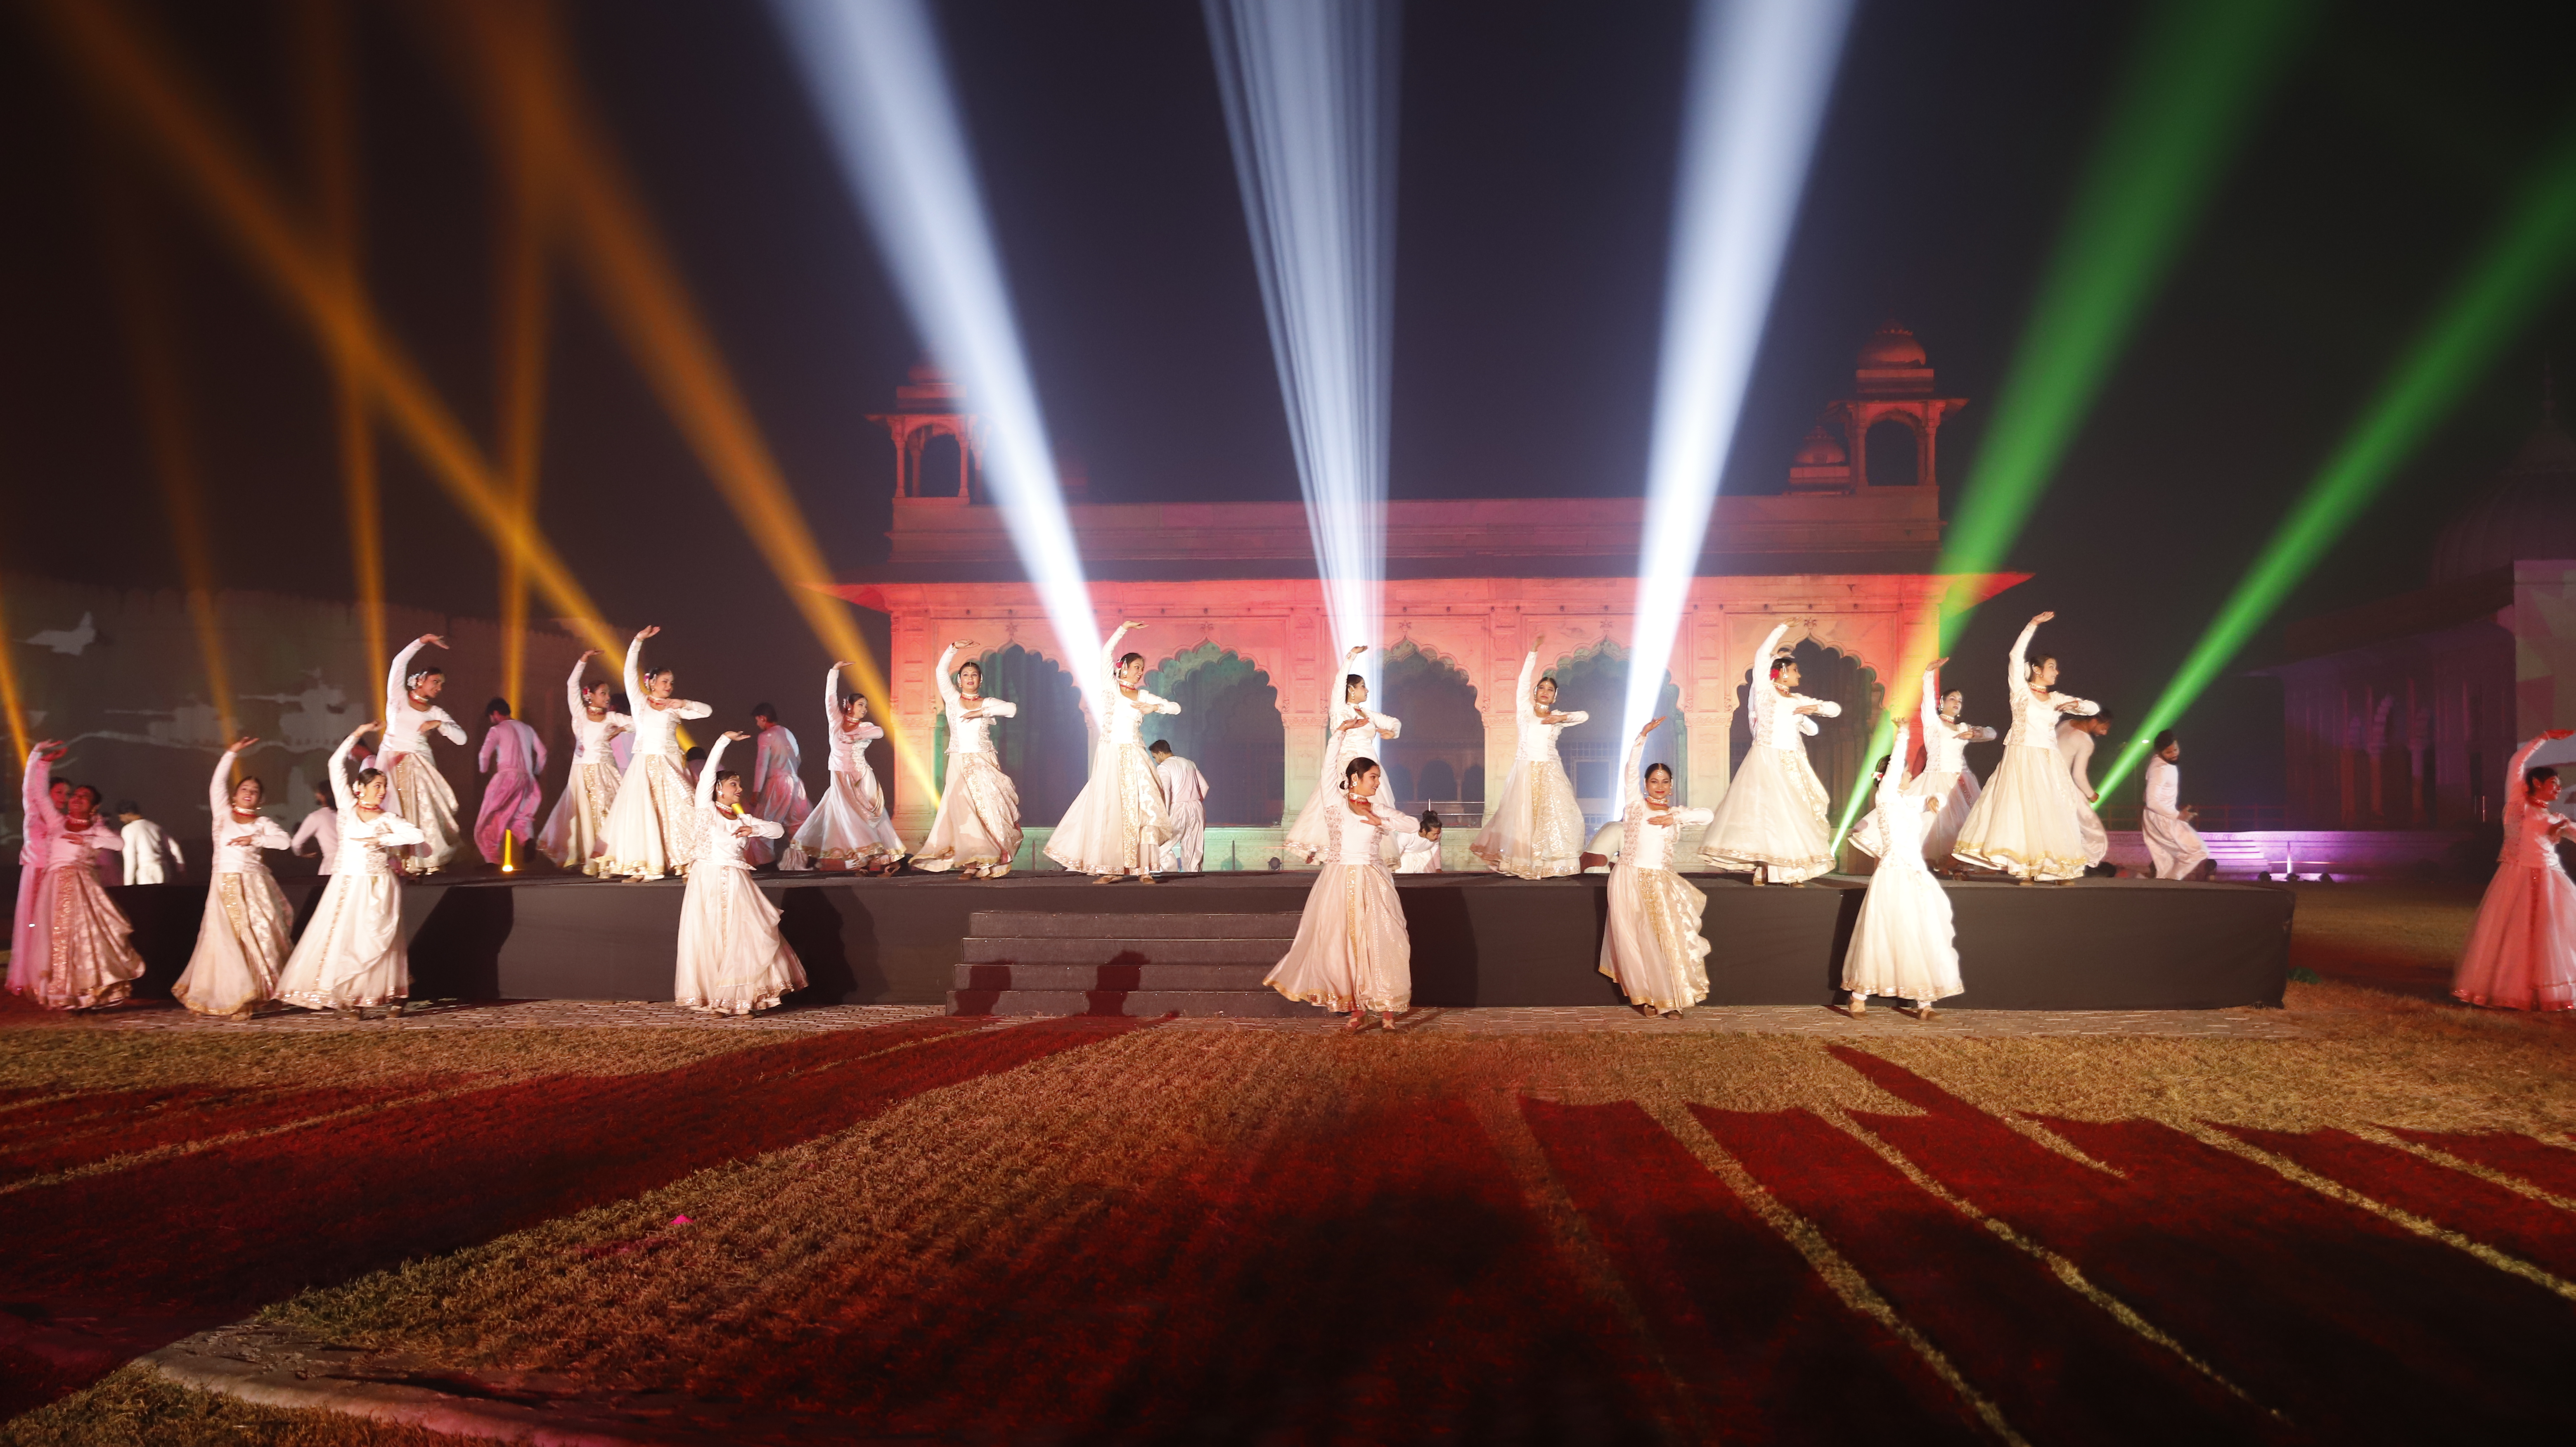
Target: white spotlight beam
[[1760, 73], [878, 79], [1310, 99]]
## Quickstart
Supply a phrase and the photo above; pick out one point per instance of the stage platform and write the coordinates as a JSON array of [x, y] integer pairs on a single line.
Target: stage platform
[[1478, 939]]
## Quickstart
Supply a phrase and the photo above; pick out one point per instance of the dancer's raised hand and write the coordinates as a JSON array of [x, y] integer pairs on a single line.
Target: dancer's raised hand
[[244, 742], [649, 630], [2039, 618]]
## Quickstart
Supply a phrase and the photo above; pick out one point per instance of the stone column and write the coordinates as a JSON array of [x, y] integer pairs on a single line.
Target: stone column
[[915, 706], [1301, 695]]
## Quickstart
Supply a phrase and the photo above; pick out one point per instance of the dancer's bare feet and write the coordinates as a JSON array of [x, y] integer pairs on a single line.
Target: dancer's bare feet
[[1105, 879], [1149, 879], [1856, 1006], [1358, 1019]]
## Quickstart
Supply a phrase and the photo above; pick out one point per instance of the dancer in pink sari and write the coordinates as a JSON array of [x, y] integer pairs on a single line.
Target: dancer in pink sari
[[2521, 953]]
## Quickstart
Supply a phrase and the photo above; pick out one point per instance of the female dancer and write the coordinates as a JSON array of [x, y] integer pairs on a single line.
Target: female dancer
[[849, 829], [242, 941], [652, 825], [1652, 945], [1536, 832], [732, 960], [1772, 822], [351, 957], [1902, 944], [2024, 823], [573, 831], [2172, 843], [1356, 732], [419, 792], [77, 952], [2521, 953], [1945, 774], [1117, 824], [977, 831], [1351, 952]]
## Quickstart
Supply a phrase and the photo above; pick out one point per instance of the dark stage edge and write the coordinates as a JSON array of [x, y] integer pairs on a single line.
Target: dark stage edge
[[1478, 939]]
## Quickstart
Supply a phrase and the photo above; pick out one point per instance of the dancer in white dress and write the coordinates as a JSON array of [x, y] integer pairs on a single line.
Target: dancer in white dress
[[2076, 738], [1352, 952], [2024, 823], [1419, 852], [77, 951], [1945, 775], [851, 828], [31, 870], [579, 821], [2521, 953], [351, 956], [1185, 792], [242, 940], [1903, 945], [732, 960], [977, 829], [1357, 732], [1772, 822], [1535, 830], [2172, 844], [416, 789], [1117, 824], [778, 790], [1651, 942], [653, 822]]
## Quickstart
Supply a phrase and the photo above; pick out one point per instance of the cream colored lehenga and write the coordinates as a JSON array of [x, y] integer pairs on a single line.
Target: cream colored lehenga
[[731, 958], [414, 788], [242, 941], [850, 825], [1310, 835], [1534, 830], [2025, 824], [1946, 776], [573, 831], [978, 824], [1772, 822], [653, 823], [1117, 824], [77, 952], [1352, 951], [352, 955], [1651, 942], [1902, 944]]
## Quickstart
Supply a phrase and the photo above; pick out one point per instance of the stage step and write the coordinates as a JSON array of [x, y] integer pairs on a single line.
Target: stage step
[[1027, 962]]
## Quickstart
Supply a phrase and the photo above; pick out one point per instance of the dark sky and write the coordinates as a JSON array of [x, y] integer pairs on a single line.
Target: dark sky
[[1535, 182]]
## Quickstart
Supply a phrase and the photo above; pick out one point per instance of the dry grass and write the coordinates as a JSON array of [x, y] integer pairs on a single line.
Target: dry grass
[[136, 1407]]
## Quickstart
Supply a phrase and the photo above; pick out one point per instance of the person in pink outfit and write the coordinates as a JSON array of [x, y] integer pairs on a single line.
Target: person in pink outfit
[[513, 755], [2521, 953]]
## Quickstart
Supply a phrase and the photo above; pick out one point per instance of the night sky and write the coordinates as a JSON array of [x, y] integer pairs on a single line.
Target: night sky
[[1534, 185]]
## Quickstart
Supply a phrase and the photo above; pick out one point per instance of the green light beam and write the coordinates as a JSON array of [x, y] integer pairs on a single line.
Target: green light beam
[[2514, 273]]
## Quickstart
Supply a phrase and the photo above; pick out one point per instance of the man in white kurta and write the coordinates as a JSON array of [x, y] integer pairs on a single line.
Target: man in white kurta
[[2172, 843], [1185, 800], [2075, 737], [150, 856], [513, 755], [321, 827]]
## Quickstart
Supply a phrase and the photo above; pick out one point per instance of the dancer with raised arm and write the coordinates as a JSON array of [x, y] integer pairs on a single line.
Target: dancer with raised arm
[[2076, 738], [1945, 774], [778, 789], [579, 819], [2024, 823], [2172, 844], [1185, 792], [1357, 731], [416, 789], [1352, 953], [1772, 822], [242, 939], [2521, 953], [977, 829], [1651, 943], [513, 755], [732, 960], [1902, 944], [1117, 824], [351, 956], [77, 952], [850, 829], [31, 872], [653, 824], [1535, 830]]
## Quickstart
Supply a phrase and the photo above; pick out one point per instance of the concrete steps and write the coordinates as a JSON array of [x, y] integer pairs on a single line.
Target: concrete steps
[[1028, 962]]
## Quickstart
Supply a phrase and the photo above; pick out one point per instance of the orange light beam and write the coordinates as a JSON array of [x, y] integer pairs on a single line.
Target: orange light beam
[[520, 332], [12, 704], [540, 106], [214, 165]]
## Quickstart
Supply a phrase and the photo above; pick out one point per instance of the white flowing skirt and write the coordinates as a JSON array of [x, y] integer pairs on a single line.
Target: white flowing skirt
[[1903, 945], [2175, 846], [80, 952], [579, 822], [653, 827], [1351, 950], [850, 824], [416, 790], [1941, 836], [2025, 823], [1772, 819], [2521, 953], [1652, 943], [352, 952], [732, 960], [978, 824], [1117, 824], [1536, 830], [241, 946]]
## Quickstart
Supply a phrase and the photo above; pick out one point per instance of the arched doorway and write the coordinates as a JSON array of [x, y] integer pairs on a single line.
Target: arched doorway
[[1595, 681], [1838, 743], [1892, 460], [1437, 762], [1045, 747], [943, 467], [1229, 726]]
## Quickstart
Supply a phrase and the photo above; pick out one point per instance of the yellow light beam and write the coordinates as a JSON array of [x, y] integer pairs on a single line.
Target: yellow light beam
[[213, 164], [521, 302], [535, 102], [13, 705]]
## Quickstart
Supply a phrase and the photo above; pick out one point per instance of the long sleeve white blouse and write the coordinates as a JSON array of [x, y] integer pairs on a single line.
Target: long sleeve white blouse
[[590, 736], [366, 844], [1776, 721], [262, 831], [719, 845], [1945, 744], [406, 727], [1126, 719], [656, 730], [970, 727], [1645, 845], [49, 831], [1536, 740], [2035, 714]]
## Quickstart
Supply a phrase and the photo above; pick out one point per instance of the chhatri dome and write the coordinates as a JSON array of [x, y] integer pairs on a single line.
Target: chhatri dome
[[1893, 346], [2528, 512], [1821, 449]]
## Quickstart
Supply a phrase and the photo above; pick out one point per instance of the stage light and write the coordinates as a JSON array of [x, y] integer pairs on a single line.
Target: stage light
[[2511, 278], [877, 79], [1310, 106], [1760, 73]]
